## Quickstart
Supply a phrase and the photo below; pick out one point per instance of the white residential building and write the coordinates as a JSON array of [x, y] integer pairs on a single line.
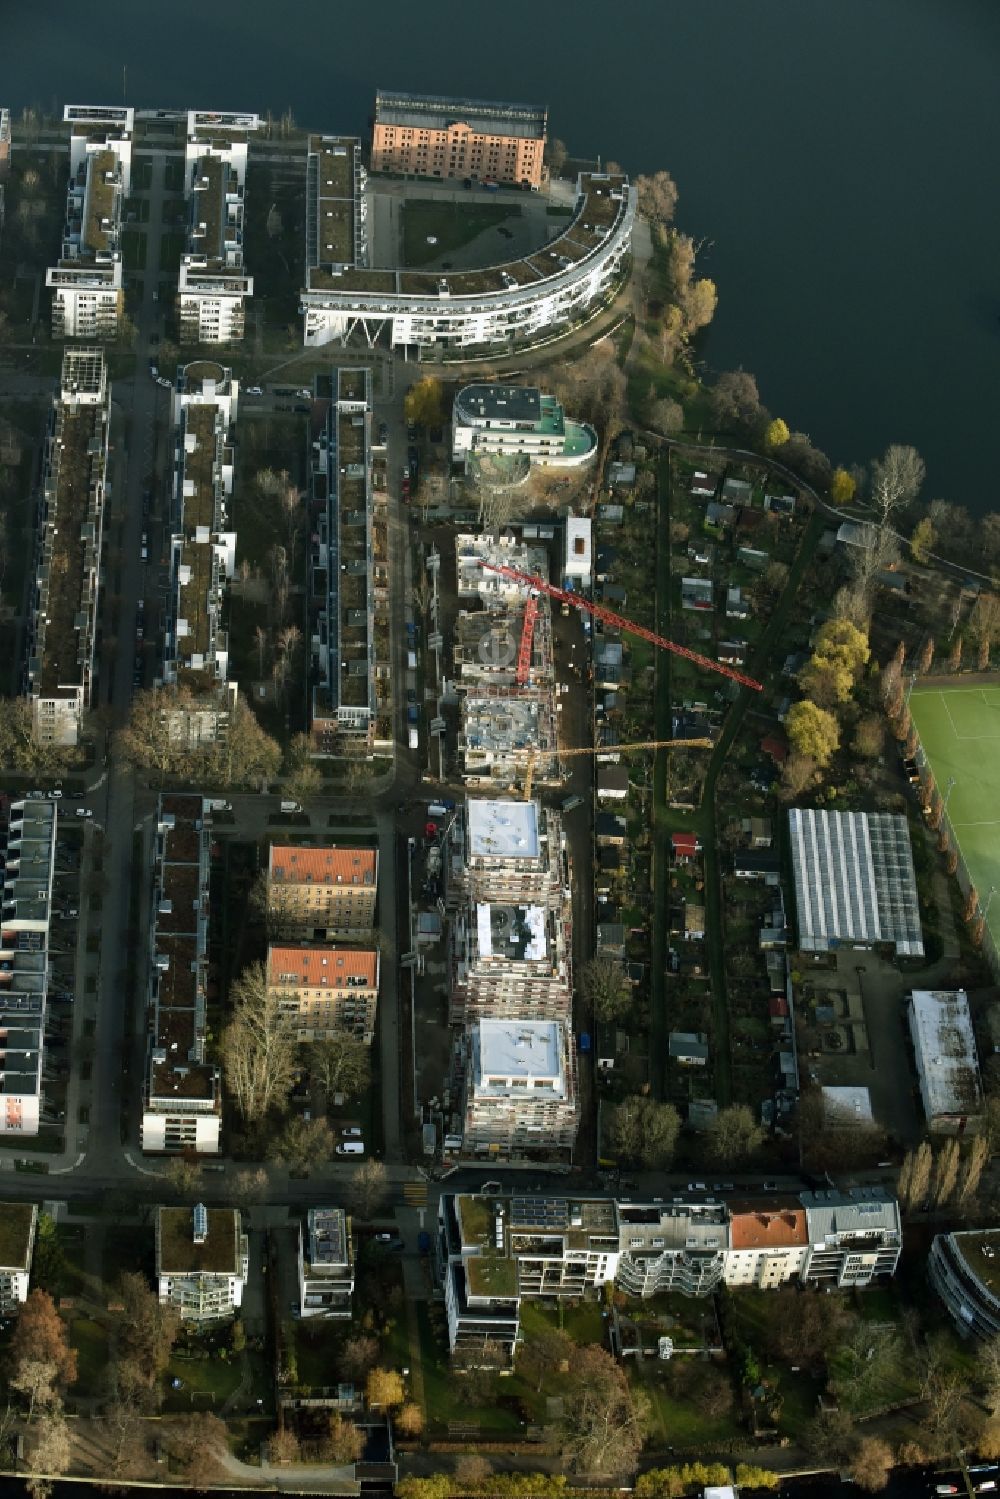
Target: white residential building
[[944, 1051], [28, 875], [182, 1108], [88, 300], [517, 421], [18, 1222], [520, 1092], [214, 285], [495, 307], [326, 1264], [578, 552], [964, 1269], [202, 1262], [202, 551], [60, 672], [511, 961]]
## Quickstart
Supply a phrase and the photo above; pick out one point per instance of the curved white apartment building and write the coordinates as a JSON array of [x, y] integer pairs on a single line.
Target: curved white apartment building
[[521, 300]]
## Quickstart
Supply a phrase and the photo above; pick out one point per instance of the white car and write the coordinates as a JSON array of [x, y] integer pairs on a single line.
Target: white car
[[254, 390], [306, 395], [84, 812], [351, 1147], [352, 1132]]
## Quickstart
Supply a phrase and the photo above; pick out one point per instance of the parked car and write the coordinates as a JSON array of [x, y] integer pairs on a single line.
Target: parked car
[[383, 433], [305, 393], [351, 1147], [254, 390], [84, 812], [352, 1132], [411, 432]]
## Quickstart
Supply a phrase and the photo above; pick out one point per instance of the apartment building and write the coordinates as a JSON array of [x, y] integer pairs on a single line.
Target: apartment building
[[64, 602], [517, 422], [521, 1097], [495, 1250], [326, 1264], [511, 852], [477, 556], [26, 912], [325, 991], [947, 1063], [429, 136], [214, 286], [351, 708], [511, 962], [964, 1269], [321, 893], [202, 1262], [18, 1223], [88, 299], [182, 1107], [202, 553], [336, 209]]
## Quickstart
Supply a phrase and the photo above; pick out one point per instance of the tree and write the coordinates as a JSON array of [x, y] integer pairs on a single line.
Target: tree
[[41, 1336], [699, 305], [144, 1336], [21, 752], [812, 732], [341, 1063], [666, 416], [303, 1143], [944, 1179], [600, 1430], [438, 1486], [971, 905], [657, 197], [198, 1444], [283, 1446], [605, 987], [547, 1351], [359, 1354], [973, 1164], [555, 154], [410, 1419], [955, 655], [35, 1379], [871, 1463], [915, 1177], [258, 1050], [735, 399], [368, 1188], [842, 487], [749, 1476], [797, 773], [839, 653], [646, 1131], [776, 434], [343, 1442], [896, 479], [51, 1453], [733, 1135], [163, 736], [424, 402], [988, 1368], [830, 1435], [245, 754], [185, 1176], [922, 541], [472, 1470], [384, 1387]]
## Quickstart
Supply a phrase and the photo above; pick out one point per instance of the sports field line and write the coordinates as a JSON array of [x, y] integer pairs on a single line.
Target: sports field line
[[991, 822], [965, 738]]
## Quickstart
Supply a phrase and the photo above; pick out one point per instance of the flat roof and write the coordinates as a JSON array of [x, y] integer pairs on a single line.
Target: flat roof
[[178, 1254], [327, 1229], [945, 1052], [16, 1223], [502, 829], [980, 1249], [436, 112], [843, 1107], [512, 403], [525, 1048]]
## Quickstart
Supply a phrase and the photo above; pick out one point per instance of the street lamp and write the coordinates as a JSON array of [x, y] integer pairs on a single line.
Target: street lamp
[[948, 790]]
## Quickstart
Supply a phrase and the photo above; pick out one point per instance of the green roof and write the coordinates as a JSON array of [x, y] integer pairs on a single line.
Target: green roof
[[16, 1219], [178, 1254], [491, 1275]]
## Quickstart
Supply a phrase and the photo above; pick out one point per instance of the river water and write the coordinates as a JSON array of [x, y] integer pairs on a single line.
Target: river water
[[837, 158]]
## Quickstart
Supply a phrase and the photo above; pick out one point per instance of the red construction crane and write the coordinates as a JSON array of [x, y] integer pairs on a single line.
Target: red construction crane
[[608, 615], [527, 636]]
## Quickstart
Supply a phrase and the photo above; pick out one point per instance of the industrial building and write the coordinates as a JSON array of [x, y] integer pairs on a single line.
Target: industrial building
[[517, 421], [18, 1225], [428, 136], [326, 1264], [325, 991], [63, 630], [88, 298], [202, 553], [505, 306], [213, 285], [351, 706], [854, 881], [494, 1251], [28, 874], [944, 1052], [202, 1262], [326, 893], [182, 1106]]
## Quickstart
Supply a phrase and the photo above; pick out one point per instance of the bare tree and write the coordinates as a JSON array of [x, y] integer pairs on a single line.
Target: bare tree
[[896, 480], [973, 1165], [657, 197], [945, 1176], [368, 1188], [258, 1049], [51, 1453]]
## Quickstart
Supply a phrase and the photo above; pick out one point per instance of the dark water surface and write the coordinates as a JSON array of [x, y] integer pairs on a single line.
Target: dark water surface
[[838, 157]]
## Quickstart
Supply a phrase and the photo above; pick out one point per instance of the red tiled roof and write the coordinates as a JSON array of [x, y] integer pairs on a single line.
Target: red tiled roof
[[684, 842], [768, 1230], [316, 966], [778, 1005], [323, 866], [775, 747]]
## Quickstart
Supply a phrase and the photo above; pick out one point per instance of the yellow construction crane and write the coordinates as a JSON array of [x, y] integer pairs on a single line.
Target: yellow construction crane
[[531, 755]]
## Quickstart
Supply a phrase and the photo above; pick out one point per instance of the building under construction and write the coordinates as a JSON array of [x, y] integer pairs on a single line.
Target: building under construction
[[503, 671]]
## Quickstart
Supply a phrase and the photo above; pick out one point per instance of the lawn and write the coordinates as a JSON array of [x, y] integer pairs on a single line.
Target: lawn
[[90, 1340], [451, 224], [207, 1382], [316, 1345], [448, 1395], [673, 1421], [959, 730]]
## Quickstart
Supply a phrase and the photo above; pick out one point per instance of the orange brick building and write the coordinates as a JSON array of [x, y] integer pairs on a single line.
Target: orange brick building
[[325, 990], [432, 137], [328, 891]]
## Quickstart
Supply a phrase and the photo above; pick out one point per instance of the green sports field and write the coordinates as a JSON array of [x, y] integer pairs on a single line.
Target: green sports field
[[959, 730]]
